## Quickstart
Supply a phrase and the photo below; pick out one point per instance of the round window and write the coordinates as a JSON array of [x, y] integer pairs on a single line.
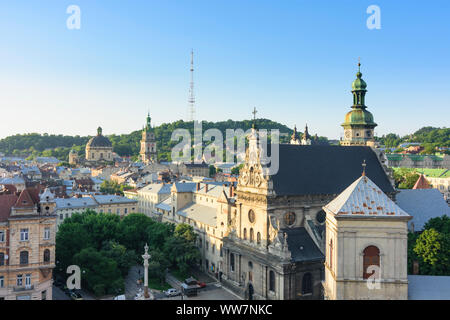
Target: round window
[[251, 216], [320, 216], [289, 218]]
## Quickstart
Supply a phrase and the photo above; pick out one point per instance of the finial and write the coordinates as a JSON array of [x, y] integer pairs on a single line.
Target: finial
[[254, 117], [364, 167]]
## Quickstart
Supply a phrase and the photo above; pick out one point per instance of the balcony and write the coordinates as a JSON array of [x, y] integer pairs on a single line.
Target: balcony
[[23, 288]]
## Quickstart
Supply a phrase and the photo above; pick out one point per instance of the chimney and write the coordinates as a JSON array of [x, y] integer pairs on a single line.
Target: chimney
[[198, 186], [206, 187], [415, 267]]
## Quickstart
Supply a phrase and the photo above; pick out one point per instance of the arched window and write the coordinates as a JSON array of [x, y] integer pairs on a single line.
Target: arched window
[[231, 262], [271, 280], [321, 216], [46, 256], [331, 254], [371, 258], [251, 235], [23, 257], [258, 238], [307, 283], [245, 233]]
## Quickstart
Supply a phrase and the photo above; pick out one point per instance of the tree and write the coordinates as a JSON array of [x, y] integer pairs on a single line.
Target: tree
[[186, 231], [133, 231], [100, 274], [440, 224], [434, 249]]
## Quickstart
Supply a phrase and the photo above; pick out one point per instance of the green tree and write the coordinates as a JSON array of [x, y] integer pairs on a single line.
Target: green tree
[[434, 249]]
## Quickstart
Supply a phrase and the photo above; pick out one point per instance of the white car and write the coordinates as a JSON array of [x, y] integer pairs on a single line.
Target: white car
[[121, 297], [172, 292]]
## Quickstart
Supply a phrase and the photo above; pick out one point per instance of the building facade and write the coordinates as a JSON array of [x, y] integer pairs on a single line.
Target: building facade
[[366, 245], [27, 246]]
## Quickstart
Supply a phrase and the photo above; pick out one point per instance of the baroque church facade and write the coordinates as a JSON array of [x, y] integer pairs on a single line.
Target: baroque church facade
[[275, 246]]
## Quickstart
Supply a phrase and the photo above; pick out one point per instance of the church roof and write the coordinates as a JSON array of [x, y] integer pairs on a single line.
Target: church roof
[[422, 183], [422, 204], [317, 169], [99, 141], [301, 246], [363, 198]]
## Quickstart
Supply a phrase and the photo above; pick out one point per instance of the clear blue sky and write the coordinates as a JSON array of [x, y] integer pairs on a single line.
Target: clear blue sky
[[293, 60]]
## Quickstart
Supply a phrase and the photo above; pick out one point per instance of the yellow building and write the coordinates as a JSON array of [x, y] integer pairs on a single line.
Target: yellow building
[[366, 245], [99, 148], [27, 246]]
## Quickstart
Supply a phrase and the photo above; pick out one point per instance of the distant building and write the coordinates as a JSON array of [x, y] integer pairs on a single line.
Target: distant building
[[417, 161], [194, 169], [99, 148], [148, 144]]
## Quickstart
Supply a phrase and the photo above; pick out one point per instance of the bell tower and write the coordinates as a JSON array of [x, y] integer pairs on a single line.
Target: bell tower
[[148, 143], [359, 125]]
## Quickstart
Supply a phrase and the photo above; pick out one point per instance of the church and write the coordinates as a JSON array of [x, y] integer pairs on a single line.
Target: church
[[279, 228]]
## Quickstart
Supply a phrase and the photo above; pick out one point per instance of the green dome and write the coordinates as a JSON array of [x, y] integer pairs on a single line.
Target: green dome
[[359, 116], [359, 84]]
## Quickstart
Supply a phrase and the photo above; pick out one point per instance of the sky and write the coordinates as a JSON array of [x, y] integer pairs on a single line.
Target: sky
[[292, 60]]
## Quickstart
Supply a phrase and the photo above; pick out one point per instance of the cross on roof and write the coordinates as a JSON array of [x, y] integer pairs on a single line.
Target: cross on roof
[[364, 167], [254, 113]]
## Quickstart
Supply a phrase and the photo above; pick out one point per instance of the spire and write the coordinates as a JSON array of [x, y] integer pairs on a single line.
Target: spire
[[148, 123], [191, 99], [254, 118], [99, 131], [364, 167]]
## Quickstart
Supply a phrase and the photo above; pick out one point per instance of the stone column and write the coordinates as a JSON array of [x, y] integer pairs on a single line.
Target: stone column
[[146, 256]]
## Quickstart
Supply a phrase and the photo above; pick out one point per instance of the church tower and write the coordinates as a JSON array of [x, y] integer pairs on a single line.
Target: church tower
[[359, 125], [294, 137], [306, 138], [148, 144]]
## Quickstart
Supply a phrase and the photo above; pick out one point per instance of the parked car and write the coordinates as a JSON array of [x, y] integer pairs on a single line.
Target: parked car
[[189, 290], [201, 284], [172, 292], [121, 297], [75, 296], [194, 282]]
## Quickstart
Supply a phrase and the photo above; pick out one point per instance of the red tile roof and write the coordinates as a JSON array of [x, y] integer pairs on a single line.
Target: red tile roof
[[422, 183], [6, 202], [25, 200]]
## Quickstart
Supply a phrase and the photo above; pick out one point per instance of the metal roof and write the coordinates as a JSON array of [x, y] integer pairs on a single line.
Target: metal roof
[[363, 198]]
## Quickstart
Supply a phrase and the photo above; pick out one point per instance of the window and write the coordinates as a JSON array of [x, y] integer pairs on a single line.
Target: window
[[118, 210], [245, 233], [371, 258], [251, 216], [258, 238], [126, 210], [44, 295], [331, 254], [289, 218], [28, 280], [2, 236], [320, 216], [46, 256], [307, 283], [221, 251], [2, 259], [272, 281], [2, 281], [23, 234], [251, 235], [213, 248], [61, 216], [231, 262], [23, 257], [46, 233], [19, 280]]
